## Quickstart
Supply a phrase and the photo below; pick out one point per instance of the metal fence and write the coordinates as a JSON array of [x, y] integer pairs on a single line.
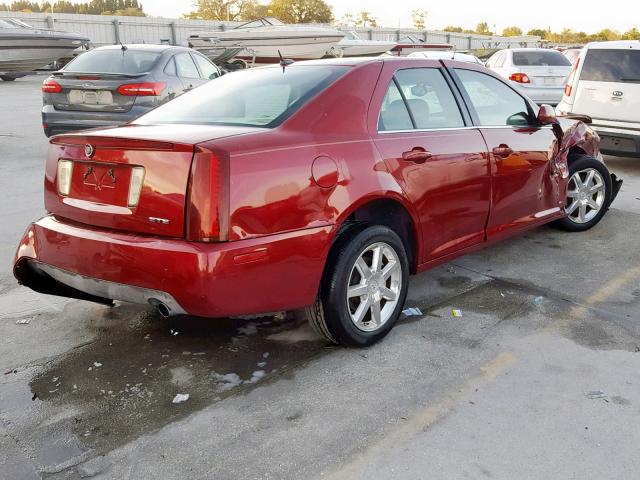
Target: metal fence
[[107, 29]]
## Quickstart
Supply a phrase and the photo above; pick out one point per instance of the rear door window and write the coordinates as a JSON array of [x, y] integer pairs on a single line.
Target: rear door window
[[421, 94], [170, 68], [538, 58], [609, 65], [209, 70], [186, 67], [114, 61], [494, 102], [393, 113], [429, 98]]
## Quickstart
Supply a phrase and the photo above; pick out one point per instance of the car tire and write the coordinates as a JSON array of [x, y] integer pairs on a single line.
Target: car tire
[[359, 302], [589, 186], [7, 78]]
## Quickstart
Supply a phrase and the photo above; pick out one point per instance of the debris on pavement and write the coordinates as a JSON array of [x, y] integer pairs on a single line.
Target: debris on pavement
[[180, 398], [13, 370], [262, 364], [35, 396], [226, 381], [23, 321], [97, 364], [412, 311], [451, 270], [597, 394], [537, 300], [456, 312], [257, 375]]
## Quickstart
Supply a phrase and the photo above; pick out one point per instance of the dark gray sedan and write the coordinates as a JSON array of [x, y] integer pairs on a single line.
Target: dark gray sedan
[[115, 84]]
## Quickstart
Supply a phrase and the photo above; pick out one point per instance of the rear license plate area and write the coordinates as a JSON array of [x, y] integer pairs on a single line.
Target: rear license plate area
[[104, 183], [90, 97]]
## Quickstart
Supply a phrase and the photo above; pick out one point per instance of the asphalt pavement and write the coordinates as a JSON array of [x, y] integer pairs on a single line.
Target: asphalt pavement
[[539, 377]]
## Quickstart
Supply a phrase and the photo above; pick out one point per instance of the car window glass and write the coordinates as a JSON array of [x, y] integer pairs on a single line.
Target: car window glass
[[495, 103], [186, 67], [170, 68], [208, 69], [112, 60], [429, 98], [609, 65], [393, 113], [256, 97], [500, 60], [536, 58]]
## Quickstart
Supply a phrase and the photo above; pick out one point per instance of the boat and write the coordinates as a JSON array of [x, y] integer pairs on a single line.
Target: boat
[[267, 39], [411, 43], [354, 46], [25, 48]]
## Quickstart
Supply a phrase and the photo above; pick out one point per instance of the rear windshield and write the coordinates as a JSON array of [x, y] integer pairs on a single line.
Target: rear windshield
[[114, 61], [262, 97], [540, 59], [611, 66]]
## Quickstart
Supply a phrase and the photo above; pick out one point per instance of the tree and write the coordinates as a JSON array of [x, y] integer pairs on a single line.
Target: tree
[[483, 29], [419, 18], [451, 28], [365, 19], [348, 19], [511, 32], [301, 11], [227, 10], [632, 34], [538, 32]]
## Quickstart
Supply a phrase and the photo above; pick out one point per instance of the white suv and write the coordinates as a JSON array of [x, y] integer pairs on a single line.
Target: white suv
[[605, 84]]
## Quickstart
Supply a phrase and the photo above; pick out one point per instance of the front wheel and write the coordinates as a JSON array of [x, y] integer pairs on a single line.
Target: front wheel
[[364, 287], [588, 194]]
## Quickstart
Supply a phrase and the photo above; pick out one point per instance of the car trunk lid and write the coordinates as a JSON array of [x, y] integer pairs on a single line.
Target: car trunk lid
[[94, 92], [546, 76], [129, 178]]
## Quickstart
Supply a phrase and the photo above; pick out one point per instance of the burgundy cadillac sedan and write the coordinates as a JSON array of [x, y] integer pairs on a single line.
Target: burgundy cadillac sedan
[[321, 185]]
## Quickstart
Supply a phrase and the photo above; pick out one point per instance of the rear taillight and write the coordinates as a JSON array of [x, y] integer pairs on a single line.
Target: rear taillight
[[568, 88], [63, 177], [51, 86], [208, 202], [146, 89], [519, 78], [135, 186]]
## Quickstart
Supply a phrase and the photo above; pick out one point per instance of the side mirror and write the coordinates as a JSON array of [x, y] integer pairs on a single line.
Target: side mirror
[[547, 115]]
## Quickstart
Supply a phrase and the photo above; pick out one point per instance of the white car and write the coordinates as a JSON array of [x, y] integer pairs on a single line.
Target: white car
[[605, 85], [539, 73], [461, 57]]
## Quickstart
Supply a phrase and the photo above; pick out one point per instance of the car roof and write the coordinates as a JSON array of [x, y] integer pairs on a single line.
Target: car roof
[[141, 46], [619, 44]]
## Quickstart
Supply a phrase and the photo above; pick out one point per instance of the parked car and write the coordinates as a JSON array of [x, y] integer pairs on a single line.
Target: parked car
[[322, 184], [539, 73], [112, 85], [605, 84], [459, 56]]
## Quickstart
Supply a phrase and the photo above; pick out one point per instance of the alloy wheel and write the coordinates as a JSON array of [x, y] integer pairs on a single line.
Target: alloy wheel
[[374, 286], [585, 195]]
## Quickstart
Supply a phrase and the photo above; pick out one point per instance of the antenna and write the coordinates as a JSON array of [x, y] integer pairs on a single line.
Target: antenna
[[284, 62], [123, 48]]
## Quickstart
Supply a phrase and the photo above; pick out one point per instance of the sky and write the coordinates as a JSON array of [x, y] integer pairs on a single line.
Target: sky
[[587, 15]]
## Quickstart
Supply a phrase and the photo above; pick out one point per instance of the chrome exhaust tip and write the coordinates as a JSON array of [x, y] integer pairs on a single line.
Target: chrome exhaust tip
[[163, 308]]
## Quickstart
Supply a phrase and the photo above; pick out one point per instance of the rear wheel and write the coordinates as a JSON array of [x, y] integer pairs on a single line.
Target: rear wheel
[[7, 78], [364, 287], [588, 194]]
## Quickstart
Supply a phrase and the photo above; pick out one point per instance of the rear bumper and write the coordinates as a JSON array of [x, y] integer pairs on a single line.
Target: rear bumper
[[266, 274], [617, 141], [551, 96], [61, 121]]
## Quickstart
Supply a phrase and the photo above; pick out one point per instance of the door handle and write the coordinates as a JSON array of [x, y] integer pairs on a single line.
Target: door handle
[[417, 154], [502, 150]]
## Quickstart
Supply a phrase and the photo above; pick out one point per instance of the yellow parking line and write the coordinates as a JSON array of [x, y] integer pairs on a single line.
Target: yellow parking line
[[423, 419]]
